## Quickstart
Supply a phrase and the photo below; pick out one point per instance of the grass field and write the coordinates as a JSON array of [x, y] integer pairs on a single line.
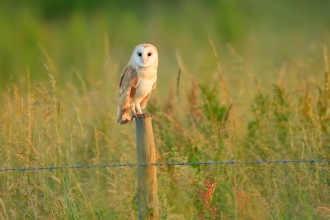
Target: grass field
[[254, 85]]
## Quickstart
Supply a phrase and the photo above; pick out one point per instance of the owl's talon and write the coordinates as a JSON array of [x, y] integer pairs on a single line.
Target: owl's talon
[[134, 115], [142, 115]]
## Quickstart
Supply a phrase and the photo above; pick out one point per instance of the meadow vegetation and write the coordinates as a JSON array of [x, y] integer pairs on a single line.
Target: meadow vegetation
[[254, 84]]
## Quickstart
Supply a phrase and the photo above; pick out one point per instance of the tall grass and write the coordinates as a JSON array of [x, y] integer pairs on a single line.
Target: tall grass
[[42, 126], [258, 90]]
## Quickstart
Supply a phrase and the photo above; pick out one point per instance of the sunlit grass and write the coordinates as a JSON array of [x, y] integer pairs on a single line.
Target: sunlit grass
[[44, 126], [258, 90]]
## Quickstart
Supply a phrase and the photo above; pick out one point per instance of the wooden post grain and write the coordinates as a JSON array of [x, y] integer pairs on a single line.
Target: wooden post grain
[[147, 175]]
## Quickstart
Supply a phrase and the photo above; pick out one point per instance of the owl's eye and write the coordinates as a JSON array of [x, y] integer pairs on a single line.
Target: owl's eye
[[140, 54], [149, 54]]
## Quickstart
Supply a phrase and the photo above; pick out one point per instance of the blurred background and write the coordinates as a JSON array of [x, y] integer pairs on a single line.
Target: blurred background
[[258, 37]]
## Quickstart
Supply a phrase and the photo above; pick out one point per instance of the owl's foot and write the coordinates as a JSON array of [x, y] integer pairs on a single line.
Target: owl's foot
[[134, 112], [144, 115], [141, 115]]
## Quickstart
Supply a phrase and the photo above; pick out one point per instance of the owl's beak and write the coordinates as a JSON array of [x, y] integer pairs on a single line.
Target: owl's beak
[[144, 58]]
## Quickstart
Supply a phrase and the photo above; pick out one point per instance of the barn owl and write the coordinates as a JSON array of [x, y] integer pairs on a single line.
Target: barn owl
[[137, 81]]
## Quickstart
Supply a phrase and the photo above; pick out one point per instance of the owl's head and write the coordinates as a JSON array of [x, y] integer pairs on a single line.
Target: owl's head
[[145, 55]]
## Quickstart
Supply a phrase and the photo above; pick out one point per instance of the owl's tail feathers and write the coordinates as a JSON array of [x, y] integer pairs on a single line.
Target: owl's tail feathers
[[124, 115]]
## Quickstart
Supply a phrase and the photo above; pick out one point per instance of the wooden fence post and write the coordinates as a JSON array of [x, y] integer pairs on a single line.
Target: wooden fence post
[[147, 175]]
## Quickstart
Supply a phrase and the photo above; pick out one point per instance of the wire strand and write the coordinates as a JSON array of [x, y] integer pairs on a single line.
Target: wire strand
[[182, 163]]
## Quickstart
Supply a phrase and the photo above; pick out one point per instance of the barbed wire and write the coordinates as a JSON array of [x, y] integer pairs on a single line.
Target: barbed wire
[[232, 162]]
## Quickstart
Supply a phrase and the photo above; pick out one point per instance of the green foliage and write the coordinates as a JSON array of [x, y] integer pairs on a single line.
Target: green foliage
[[211, 108]]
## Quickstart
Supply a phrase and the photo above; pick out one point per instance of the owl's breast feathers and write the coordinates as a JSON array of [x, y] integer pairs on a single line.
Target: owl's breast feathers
[[144, 77]]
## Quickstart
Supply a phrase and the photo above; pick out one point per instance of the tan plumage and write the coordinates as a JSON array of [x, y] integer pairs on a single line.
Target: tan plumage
[[137, 81]]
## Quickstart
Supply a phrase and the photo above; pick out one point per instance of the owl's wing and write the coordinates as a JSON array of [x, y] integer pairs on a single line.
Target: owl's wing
[[127, 88]]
